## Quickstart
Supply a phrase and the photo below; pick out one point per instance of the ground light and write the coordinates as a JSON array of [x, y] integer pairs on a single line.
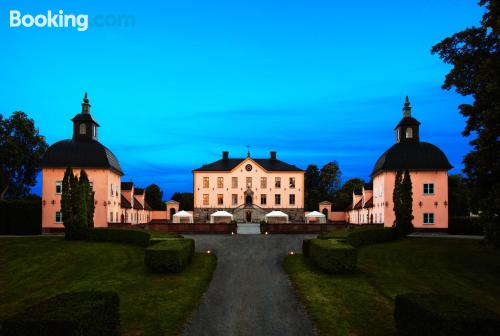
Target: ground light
[[208, 251], [291, 253], [266, 233]]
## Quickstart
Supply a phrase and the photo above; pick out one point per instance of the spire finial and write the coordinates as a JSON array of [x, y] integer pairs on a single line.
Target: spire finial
[[407, 108], [248, 151], [85, 104]]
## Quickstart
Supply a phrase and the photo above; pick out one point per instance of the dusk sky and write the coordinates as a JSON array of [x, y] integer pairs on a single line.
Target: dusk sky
[[182, 81]]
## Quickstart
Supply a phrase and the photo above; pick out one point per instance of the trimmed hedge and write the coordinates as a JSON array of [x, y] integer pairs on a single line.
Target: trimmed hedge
[[305, 247], [86, 313], [170, 256], [465, 226], [437, 314], [371, 236], [332, 256], [22, 217], [134, 237]]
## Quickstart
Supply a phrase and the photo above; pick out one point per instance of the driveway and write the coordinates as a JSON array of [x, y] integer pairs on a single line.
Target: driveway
[[250, 293]]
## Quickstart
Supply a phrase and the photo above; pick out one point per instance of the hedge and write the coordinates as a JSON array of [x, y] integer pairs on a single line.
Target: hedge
[[305, 247], [332, 256], [89, 313], [371, 236], [22, 217], [465, 226], [170, 256], [134, 237], [437, 314]]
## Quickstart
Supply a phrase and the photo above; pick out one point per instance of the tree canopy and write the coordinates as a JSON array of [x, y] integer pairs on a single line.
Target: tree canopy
[[344, 194], [186, 200], [321, 185], [154, 197]]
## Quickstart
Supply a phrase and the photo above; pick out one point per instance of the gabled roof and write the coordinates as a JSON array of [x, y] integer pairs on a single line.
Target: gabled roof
[[369, 203], [146, 206], [359, 205], [125, 203], [137, 205], [230, 164], [408, 121], [127, 185]]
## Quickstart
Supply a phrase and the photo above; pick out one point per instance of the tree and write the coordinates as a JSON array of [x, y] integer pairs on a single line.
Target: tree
[[321, 185], [312, 195], [21, 150], [88, 193], [397, 199], [67, 204], [330, 180], [343, 196], [475, 59], [185, 199], [154, 197], [77, 205], [407, 203], [458, 196]]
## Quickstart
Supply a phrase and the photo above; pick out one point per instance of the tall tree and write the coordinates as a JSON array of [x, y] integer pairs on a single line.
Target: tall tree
[[397, 199], [21, 151], [312, 194], [67, 204], [185, 199], [343, 196], [474, 55], [330, 180], [407, 203], [154, 197], [88, 193], [458, 196]]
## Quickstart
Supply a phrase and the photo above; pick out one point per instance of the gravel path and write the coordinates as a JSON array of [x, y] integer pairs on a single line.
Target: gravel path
[[250, 293]]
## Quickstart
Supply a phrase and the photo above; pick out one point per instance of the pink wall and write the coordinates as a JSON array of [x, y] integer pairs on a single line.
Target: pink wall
[[103, 180], [155, 214]]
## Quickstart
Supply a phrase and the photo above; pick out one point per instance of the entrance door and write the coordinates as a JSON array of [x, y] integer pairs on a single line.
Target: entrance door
[[248, 216]]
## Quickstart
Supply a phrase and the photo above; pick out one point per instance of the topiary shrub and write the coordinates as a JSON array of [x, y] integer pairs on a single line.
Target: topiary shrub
[[436, 314], [332, 256], [170, 256], [157, 240], [70, 314], [134, 237], [371, 236]]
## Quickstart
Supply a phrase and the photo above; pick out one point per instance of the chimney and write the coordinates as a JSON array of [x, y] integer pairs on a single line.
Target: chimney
[[225, 155], [273, 155]]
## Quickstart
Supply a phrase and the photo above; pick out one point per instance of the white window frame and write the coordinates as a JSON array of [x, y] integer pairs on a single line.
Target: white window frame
[[427, 218], [277, 182], [409, 133], [428, 188], [220, 182], [60, 221], [59, 184]]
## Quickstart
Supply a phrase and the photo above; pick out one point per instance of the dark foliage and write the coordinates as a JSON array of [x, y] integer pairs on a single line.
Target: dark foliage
[[21, 217], [154, 197], [185, 199], [170, 256], [465, 225], [403, 203], [321, 184], [458, 196], [371, 236], [436, 314], [71, 314], [75, 207], [332, 256], [344, 196], [305, 247], [475, 59], [134, 237]]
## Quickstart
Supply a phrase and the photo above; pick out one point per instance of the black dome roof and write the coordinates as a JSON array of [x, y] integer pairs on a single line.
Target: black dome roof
[[412, 156], [85, 154]]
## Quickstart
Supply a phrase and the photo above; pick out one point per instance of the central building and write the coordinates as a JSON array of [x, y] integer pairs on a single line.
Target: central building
[[248, 188]]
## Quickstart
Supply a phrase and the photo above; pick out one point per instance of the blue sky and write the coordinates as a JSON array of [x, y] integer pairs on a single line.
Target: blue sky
[[184, 80]]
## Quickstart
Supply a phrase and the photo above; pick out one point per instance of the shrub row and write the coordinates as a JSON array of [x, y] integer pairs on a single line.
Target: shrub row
[[331, 256], [436, 314], [70, 314], [465, 226], [22, 217], [170, 256], [135, 237], [371, 236]]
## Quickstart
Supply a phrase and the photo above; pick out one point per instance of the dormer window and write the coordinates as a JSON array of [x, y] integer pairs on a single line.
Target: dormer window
[[397, 135], [409, 133], [83, 129], [94, 131]]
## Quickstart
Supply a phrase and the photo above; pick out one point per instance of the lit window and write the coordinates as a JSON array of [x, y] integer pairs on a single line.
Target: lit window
[[234, 198], [249, 182], [83, 129], [292, 199], [205, 199], [220, 182], [263, 182], [277, 182], [206, 183], [292, 182], [59, 217], [58, 187], [428, 188], [409, 133], [397, 135], [277, 199], [94, 131], [234, 182], [428, 218], [220, 199], [263, 199]]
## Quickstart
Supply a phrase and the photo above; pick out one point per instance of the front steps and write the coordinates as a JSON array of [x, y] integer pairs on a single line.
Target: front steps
[[248, 228]]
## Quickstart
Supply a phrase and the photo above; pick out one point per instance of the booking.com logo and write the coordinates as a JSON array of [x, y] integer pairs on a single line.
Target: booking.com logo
[[60, 19]]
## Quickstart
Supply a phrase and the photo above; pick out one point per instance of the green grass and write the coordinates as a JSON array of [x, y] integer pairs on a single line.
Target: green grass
[[35, 268], [363, 303]]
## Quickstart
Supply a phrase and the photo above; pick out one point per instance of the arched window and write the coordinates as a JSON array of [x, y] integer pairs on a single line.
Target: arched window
[[83, 129], [409, 133]]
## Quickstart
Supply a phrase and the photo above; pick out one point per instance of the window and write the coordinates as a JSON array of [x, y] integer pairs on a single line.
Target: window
[[206, 183], [111, 216], [428, 188], [94, 131], [277, 199], [249, 182], [111, 189], [234, 198], [292, 182], [220, 199], [220, 182], [397, 135], [205, 199], [117, 217], [263, 182], [277, 182], [263, 199], [428, 218], [409, 133], [83, 129], [292, 199], [234, 182], [58, 187], [117, 190], [59, 218], [126, 217]]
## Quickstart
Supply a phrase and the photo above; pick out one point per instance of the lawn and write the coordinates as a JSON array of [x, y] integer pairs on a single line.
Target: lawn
[[363, 303], [35, 268]]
